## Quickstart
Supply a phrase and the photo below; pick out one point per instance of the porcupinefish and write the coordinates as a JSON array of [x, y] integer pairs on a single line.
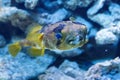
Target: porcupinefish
[[64, 35]]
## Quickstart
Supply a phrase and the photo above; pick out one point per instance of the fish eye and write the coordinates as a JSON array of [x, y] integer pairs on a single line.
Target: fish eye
[[70, 42]]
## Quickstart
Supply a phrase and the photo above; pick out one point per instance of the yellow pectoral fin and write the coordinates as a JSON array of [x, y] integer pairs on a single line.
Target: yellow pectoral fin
[[43, 50], [14, 48], [34, 52], [40, 37]]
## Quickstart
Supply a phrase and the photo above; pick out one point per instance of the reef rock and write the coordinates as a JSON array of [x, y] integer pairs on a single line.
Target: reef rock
[[5, 3], [108, 35], [95, 8], [54, 74], [17, 17], [51, 5], [23, 67], [47, 18], [72, 69], [108, 70], [19, 1], [73, 4], [31, 4], [105, 18], [2, 41], [67, 70], [115, 11]]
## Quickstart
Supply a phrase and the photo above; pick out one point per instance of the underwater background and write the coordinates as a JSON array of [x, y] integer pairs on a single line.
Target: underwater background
[[98, 59]]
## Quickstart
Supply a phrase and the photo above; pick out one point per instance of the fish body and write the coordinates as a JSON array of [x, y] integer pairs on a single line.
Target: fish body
[[64, 35]]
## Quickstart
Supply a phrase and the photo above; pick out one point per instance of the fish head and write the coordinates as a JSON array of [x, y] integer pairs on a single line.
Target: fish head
[[73, 36]]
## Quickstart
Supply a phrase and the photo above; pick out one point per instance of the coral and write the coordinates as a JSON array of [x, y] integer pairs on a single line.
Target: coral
[[51, 5], [95, 8], [47, 18], [114, 10], [73, 4], [19, 1], [50, 75], [17, 17], [68, 70], [31, 4], [105, 19], [62, 13], [5, 3], [83, 21], [84, 3], [23, 67], [72, 69], [2, 41], [108, 35], [108, 70]]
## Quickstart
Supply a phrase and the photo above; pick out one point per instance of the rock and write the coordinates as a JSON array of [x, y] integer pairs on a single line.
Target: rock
[[3, 51], [108, 70], [2, 41], [95, 8], [31, 4], [72, 69], [47, 18], [62, 13], [85, 22], [5, 3], [51, 5], [105, 20], [115, 10], [19, 1], [73, 4], [108, 36], [54, 74], [67, 70], [67, 64], [23, 67], [105, 37], [17, 17]]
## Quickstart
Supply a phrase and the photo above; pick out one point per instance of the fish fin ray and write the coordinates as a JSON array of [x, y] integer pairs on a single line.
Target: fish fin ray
[[14, 49], [34, 52]]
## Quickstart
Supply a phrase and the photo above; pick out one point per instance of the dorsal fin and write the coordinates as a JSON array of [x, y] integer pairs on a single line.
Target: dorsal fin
[[33, 28]]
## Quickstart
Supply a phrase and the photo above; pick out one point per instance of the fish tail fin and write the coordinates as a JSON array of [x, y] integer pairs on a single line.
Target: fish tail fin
[[34, 51], [14, 49]]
